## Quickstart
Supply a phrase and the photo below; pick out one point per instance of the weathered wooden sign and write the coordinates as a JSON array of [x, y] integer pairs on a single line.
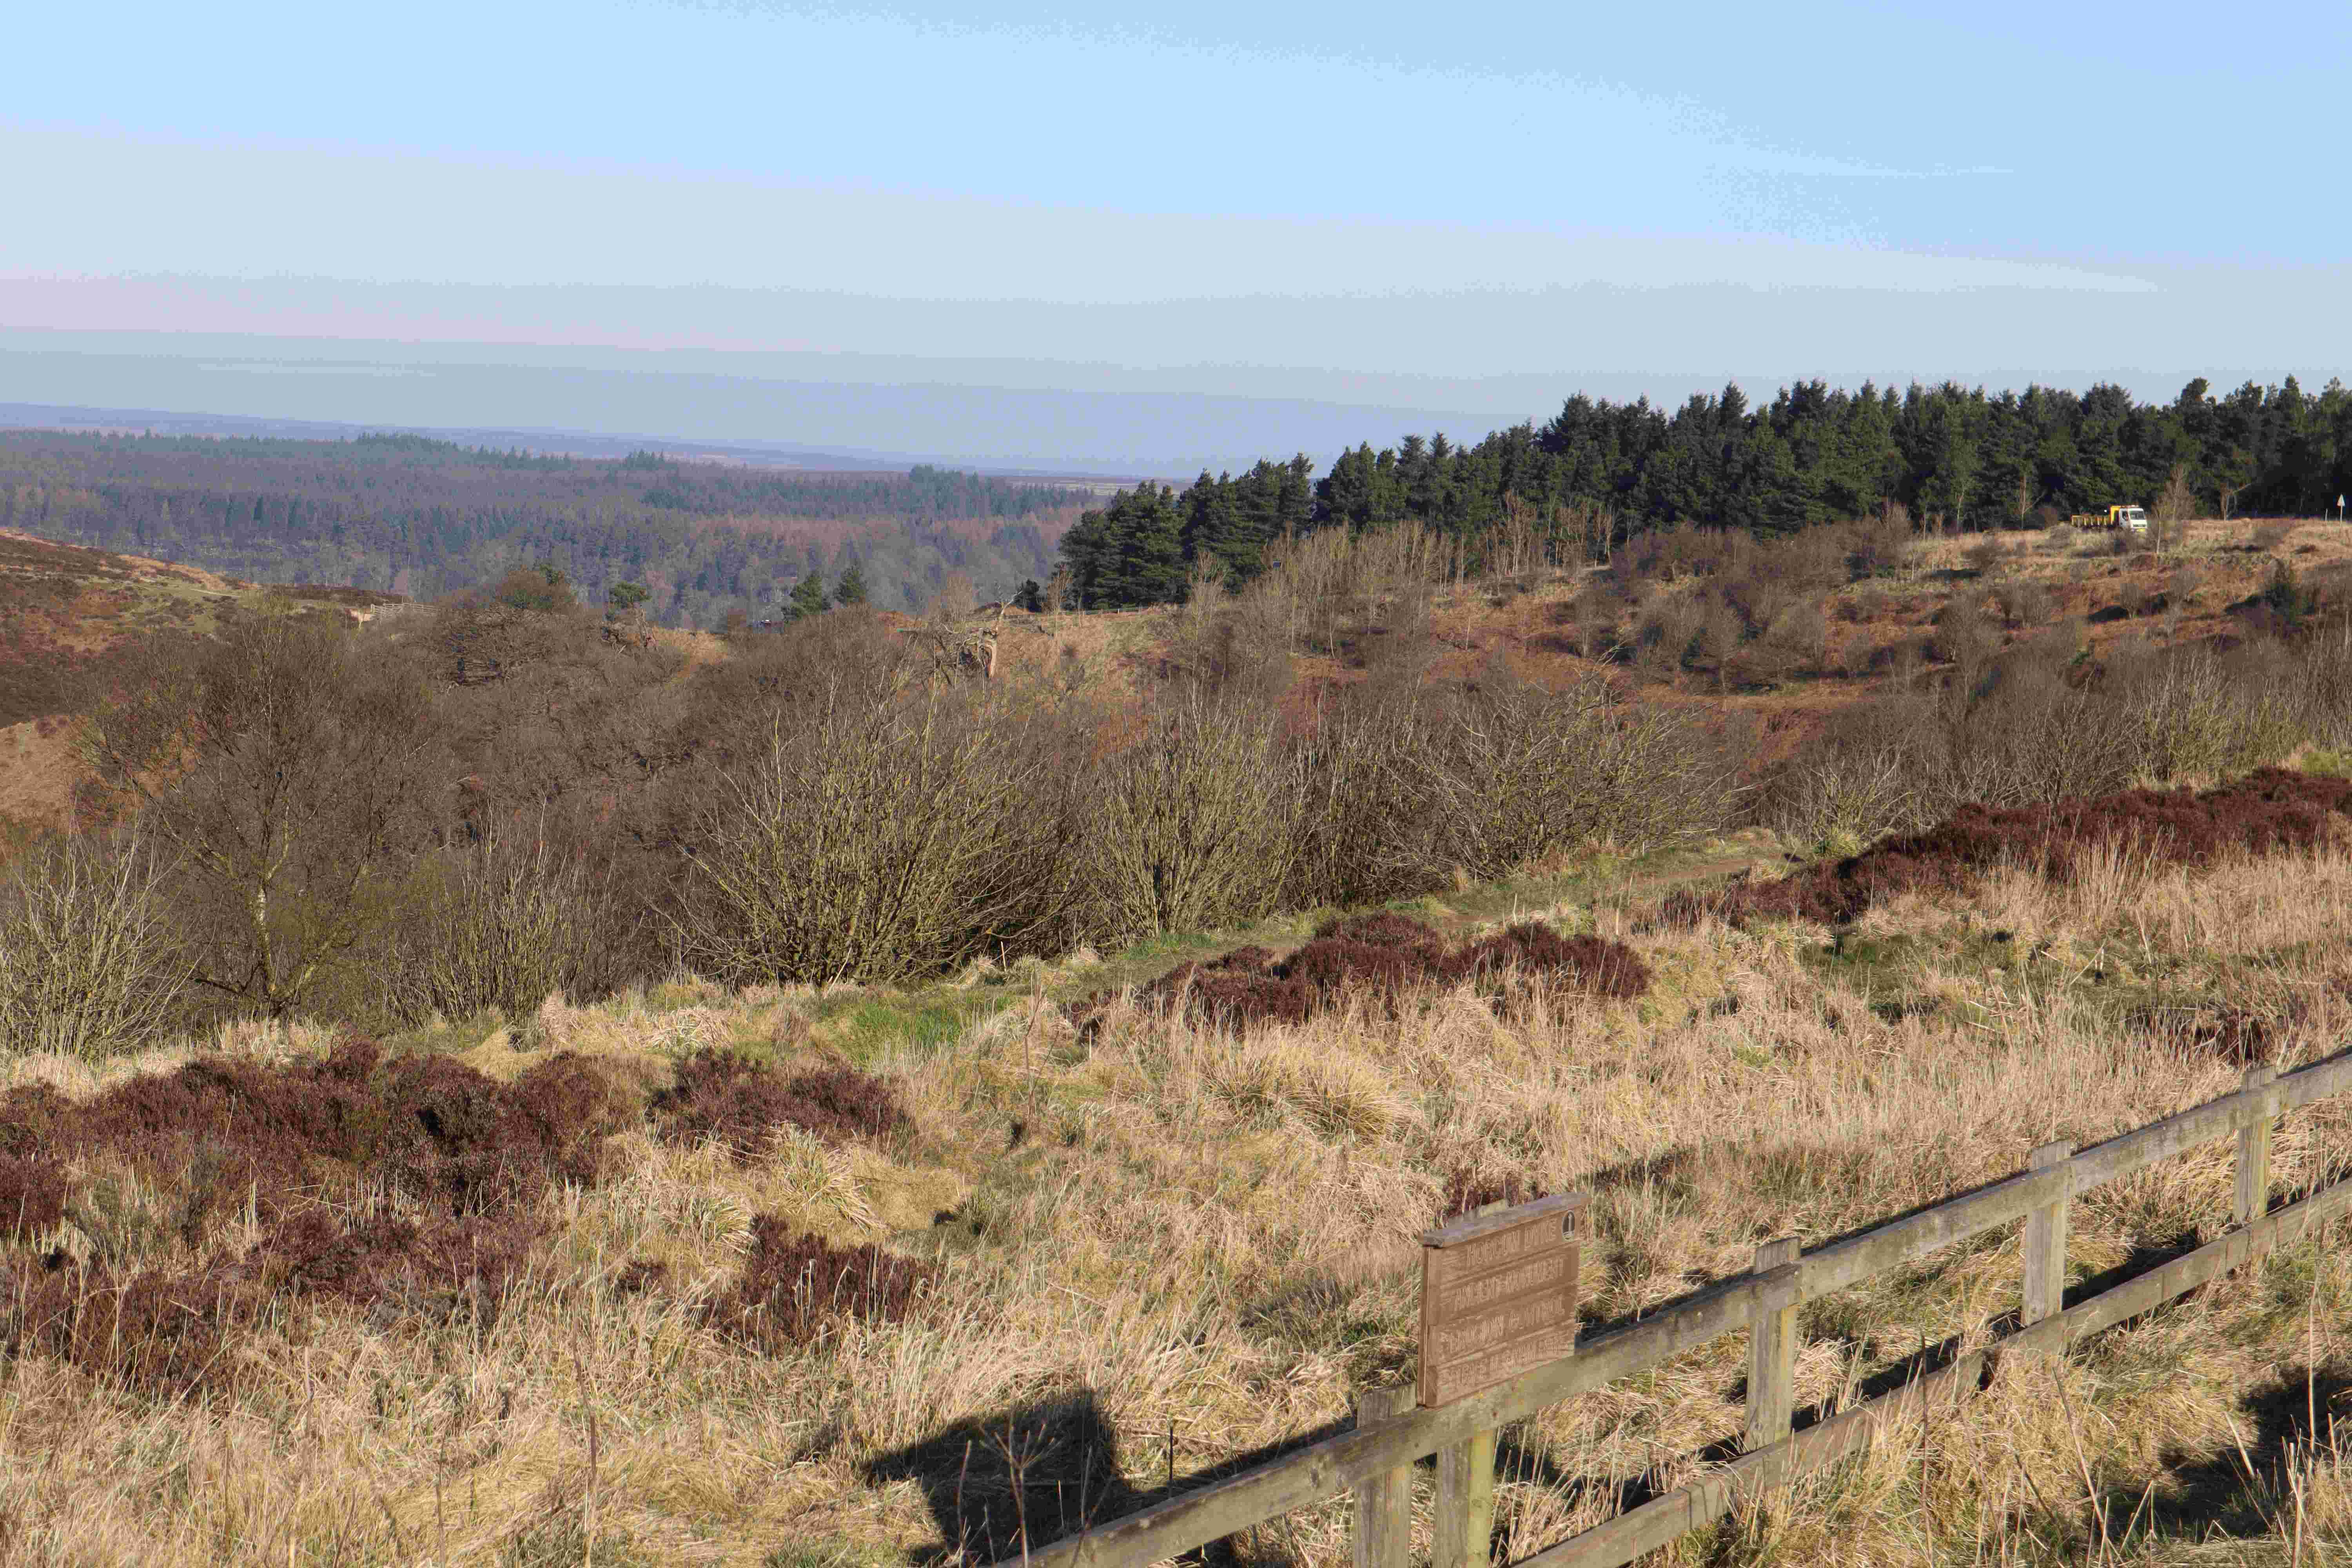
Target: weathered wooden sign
[[1497, 1295]]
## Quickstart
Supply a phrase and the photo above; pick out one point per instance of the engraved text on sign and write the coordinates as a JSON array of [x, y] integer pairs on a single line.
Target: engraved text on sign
[[1497, 1296]]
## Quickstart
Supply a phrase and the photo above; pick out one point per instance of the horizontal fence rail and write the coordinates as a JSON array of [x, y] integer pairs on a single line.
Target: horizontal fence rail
[[1374, 1461]]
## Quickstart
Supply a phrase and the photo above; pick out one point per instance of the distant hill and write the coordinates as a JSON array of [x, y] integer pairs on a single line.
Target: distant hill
[[422, 517], [64, 611]]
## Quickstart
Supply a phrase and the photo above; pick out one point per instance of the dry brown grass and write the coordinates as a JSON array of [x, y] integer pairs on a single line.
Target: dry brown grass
[[1171, 1244]]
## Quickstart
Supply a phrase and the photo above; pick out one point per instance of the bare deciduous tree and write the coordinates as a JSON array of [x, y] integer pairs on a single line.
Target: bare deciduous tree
[[286, 770]]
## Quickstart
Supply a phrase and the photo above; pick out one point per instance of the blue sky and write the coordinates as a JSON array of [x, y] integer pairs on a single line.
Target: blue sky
[[1372, 202]]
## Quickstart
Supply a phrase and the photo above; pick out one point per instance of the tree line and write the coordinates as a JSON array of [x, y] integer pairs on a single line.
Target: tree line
[[412, 515], [1599, 473]]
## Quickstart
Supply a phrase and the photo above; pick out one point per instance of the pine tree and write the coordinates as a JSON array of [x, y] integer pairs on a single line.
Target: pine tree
[[808, 597], [851, 590]]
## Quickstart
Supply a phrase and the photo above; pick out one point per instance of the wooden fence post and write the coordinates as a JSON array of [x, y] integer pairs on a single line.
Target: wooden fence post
[[1772, 1345], [2046, 1246], [1465, 1502], [2253, 1194], [1384, 1502]]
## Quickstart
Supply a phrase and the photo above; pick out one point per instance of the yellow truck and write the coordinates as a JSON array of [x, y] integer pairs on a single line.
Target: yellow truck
[[2132, 517]]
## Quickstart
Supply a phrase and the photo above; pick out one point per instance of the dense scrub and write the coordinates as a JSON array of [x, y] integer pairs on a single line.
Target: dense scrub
[[334, 823], [2045, 721], [482, 804]]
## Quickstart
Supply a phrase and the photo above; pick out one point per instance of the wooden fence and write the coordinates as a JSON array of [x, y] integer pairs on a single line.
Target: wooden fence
[[1375, 1460]]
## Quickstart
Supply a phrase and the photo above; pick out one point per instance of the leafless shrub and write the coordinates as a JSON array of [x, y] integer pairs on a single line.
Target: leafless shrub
[[287, 769], [1801, 633], [1671, 630], [2322, 682], [2025, 603], [89, 959], [1326, 583], [1965, 635], [1368, 828], [1838, 801], [498, 926], [1520, 773], [1193, 826], [1230, 646], [878, 835], [2169, 519], [1879, 544], [2195, 722]]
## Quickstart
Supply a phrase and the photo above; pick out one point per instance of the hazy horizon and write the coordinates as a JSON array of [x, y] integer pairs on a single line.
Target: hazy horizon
[[1185, 236], [1020, 416]]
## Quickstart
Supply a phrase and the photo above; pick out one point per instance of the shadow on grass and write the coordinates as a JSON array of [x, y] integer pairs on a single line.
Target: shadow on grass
[[1049, 1470]]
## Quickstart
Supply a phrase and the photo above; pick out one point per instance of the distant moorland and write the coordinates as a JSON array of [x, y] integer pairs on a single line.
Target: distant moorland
[[411, 515]]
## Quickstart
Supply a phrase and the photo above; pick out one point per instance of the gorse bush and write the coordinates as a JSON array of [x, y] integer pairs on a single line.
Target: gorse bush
[[89, 964]]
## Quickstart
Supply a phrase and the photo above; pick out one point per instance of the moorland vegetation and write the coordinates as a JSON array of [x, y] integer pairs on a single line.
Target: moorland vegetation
[[473, 1088]]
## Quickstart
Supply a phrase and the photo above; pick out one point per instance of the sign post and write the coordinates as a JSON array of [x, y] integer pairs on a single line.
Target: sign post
[[1497, 1297]]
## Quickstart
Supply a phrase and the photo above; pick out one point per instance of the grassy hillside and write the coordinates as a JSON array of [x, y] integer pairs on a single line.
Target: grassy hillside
[[67, 615], [567, 1219], [1125, 1242]]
